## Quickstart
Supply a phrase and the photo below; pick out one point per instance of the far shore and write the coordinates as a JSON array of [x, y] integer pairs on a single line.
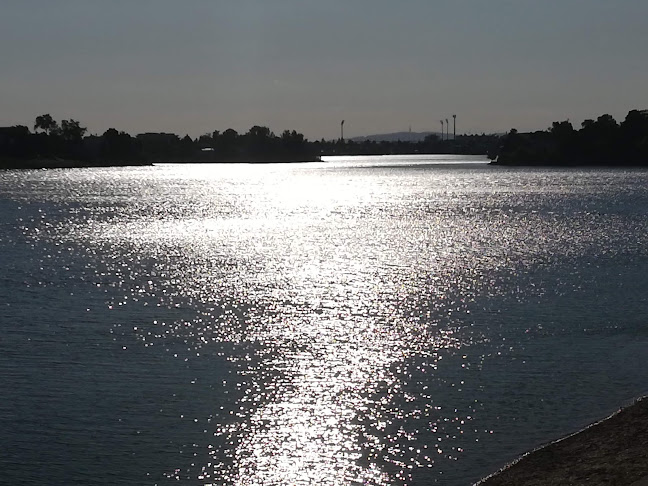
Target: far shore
[[567, 165], [56, 163], [613, 451]]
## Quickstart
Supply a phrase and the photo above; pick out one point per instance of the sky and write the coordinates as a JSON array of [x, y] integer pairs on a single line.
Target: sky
[[196, 66]]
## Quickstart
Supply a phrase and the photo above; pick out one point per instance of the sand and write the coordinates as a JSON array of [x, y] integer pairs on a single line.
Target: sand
[[613, 451]]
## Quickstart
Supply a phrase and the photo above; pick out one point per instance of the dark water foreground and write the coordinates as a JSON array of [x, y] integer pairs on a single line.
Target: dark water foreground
[[366, 321]]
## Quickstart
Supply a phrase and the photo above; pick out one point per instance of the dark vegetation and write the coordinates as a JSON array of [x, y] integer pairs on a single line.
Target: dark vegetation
[[51, 144], [598, 142], [601, 142]]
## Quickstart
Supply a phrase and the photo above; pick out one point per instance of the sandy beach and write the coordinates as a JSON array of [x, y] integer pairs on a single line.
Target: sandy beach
[[613, 451]]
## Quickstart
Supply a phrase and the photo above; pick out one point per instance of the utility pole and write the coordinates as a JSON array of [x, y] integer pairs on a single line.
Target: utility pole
[[454, 126], [442, 130], [447, 129], [342, 131]]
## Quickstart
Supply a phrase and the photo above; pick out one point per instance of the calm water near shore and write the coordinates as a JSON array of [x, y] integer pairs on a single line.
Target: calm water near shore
[[369, 321]]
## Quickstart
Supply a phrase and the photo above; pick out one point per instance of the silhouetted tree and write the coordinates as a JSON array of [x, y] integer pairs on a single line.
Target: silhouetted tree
[[634, 132], [599, 142], [46, 123], [72, 131], [635, 125], [230, 135], [226, 144], [291, 139], [119, 146], [562, 130], [259, 133]]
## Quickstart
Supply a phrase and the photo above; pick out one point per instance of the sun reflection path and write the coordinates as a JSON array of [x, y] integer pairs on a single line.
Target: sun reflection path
[[319, 283], [327, 331], [332, 353], [309, 435]]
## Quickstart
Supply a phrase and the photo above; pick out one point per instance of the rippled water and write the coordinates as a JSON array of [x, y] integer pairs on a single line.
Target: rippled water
[[374, 321]]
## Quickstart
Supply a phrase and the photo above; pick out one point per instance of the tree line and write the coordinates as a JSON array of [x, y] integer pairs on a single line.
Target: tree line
[[68, 141], [50, 143], [598, 142]]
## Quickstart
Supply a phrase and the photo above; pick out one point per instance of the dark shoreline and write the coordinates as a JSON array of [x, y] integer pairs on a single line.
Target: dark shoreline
[[55, 163], [550, 165], [613, 450], [32, 164]]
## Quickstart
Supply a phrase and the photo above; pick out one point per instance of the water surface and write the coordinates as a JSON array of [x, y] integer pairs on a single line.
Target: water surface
[[375, 321]]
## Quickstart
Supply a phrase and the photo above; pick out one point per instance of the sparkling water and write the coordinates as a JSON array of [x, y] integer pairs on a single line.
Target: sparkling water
[[370, 321]]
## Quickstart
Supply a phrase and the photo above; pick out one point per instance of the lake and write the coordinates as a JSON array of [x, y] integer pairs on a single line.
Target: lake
[[369, 320]]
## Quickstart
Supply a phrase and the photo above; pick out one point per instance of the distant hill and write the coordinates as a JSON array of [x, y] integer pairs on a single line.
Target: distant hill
[[394, 137]]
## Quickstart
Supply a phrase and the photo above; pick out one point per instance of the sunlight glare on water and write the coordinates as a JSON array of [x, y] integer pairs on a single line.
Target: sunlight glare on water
[[331, 323], [330, 332]]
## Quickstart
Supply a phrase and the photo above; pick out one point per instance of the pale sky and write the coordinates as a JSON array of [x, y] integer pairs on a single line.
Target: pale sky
[[194, 66]]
